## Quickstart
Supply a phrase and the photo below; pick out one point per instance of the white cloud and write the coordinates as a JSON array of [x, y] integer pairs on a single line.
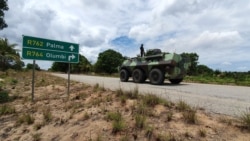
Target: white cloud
[[217, 39], [219, 31], [226, 63]]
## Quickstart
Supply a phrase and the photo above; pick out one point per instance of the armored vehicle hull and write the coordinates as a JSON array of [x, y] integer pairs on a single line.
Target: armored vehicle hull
[[155, 66]]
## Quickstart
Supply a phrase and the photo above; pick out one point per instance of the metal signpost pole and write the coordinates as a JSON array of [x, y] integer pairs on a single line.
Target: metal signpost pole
[[33, 81], [68, 80]]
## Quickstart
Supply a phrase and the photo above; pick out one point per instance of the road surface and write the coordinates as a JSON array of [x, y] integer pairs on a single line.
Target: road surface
[[222, 99]]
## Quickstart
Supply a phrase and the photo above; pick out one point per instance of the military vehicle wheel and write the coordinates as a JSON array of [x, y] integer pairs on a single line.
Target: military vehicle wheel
[[124, 75], [175, 81], [156, 77], [138, 76]]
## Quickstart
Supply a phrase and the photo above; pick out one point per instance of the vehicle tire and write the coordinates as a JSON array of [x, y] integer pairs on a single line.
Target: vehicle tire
[[156, 77], [124, 75], [175, 81], [138, 76]]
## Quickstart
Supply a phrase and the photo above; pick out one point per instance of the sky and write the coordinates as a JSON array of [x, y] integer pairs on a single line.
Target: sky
[[217, 30]]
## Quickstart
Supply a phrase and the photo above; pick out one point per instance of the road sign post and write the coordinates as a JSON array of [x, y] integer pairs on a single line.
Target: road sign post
[[49, 50]]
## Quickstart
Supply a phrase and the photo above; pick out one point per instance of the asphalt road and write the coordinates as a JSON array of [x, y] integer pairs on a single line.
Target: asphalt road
[[222, 99]]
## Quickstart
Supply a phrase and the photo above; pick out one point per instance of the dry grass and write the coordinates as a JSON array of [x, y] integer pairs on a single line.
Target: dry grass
[[245, 119], [95, 113]]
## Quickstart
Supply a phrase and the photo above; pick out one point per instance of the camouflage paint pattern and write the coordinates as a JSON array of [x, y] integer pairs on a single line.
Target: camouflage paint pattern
[[173, 65]]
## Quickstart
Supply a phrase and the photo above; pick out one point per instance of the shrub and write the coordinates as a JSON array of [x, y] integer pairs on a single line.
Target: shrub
[[143, 110], [25, 118], [202, 132], [140, 121], [118, 126], [245, 119], [86, 116], [116, 116], [119, 92], [123, 99], [149, 132], [125, 138], [96, 87], [47, 115], [4, 96], [190, 116], [5, 109], [183, 106], [166, 137], [118, 123], [38, 126], [36, 137], [14, 81], [133, 94], [151, 100], [169, 116]]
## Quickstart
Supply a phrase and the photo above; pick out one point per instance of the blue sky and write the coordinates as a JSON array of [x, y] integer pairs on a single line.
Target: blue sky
[[217, 30]]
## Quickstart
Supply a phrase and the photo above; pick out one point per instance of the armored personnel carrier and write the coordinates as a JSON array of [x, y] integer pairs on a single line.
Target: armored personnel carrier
[[155, 66]]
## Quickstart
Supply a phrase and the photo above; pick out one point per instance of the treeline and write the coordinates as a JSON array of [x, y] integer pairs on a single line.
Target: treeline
[[109, 60]]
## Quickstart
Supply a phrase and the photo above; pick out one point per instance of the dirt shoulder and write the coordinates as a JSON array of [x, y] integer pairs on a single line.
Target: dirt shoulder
[[95, 113]]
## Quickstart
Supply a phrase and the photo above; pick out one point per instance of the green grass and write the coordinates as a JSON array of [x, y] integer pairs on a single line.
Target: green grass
[[25, 118], [143, 109], [119, 92], [151, 100], [47, 115], [132, 94], [13, 81], [118, 126], [182, 106], [7, 109], [243, 81], [117, 116], [123, 99], [118, 123], [140, 121]]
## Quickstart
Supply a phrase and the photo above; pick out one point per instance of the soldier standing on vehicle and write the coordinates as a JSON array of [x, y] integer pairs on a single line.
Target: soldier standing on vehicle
[[142, 50]]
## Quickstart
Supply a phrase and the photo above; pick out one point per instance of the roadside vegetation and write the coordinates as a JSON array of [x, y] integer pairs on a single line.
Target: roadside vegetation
[[96, 113], [109, 60], [222, 78]]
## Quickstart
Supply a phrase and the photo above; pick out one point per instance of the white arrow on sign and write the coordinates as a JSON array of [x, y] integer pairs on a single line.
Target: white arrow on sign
[[71, 57], [71, 47]]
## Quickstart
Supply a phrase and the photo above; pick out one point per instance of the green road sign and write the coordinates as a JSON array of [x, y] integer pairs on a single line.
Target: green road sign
[[50, 55], [51, 50]]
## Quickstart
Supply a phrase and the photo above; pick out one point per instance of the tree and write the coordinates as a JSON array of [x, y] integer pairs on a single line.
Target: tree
[[194, 62], [82, 66], [204, 70], [9, 57], [3, 7], [60, 66], [108, 61], [30, 66]]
